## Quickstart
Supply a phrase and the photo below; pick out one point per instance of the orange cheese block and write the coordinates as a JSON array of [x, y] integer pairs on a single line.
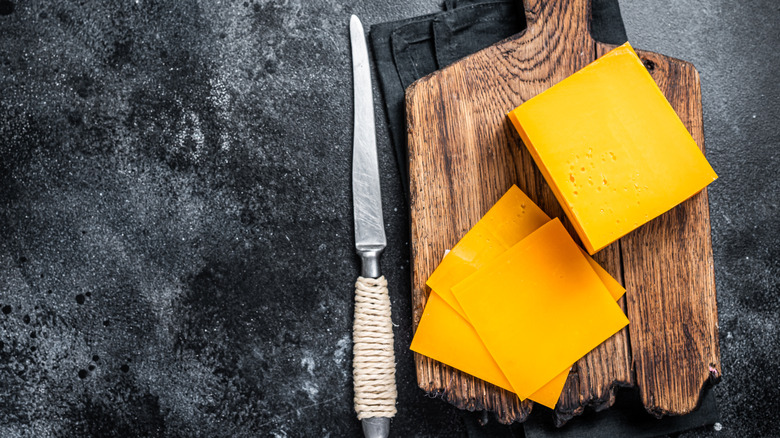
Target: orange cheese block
[[611, 147], [544, 288], [510, 220], [444, 335]]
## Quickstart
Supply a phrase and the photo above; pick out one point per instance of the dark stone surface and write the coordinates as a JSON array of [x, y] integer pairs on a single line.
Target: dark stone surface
[[175, 224], [734, 47]]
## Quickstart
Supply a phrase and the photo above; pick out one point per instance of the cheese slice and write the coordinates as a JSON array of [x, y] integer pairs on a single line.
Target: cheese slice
[[539, 307], [510, 220], [445, 336], [611, 147]]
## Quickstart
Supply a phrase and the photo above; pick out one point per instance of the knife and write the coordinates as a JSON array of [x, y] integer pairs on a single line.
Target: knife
[[373, 363]]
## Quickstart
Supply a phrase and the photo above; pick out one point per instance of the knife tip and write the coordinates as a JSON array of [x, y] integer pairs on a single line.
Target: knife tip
[[354, 20]]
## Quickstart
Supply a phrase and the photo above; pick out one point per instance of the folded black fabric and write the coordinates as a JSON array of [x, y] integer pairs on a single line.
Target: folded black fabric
[[407, 50], [472, 27], [391, 83], [606, 22], [627, 417]]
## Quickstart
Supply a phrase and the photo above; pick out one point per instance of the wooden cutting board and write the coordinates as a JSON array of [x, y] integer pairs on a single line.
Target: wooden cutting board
[[464, 154]]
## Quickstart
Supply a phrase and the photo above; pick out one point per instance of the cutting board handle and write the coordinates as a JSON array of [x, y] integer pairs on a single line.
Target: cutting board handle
[[547, 16]]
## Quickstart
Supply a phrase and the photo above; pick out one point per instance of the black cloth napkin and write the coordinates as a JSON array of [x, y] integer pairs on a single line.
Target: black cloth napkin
[[407, 50], [626, 418]]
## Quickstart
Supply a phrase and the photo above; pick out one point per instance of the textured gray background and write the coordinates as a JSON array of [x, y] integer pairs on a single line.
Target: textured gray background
[[734, 47], [175, 224]]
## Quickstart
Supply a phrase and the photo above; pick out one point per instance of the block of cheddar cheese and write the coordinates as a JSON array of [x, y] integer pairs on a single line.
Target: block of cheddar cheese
[[539, 307], [611, 147]]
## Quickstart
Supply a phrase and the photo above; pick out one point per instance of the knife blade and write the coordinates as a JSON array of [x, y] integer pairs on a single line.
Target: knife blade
[[373, 364], [366, 193]]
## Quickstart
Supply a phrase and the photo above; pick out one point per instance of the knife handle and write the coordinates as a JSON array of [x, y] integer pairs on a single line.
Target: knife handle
[[373, 363]]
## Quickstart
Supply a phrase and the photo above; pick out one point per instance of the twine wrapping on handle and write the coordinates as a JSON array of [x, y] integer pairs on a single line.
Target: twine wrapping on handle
[[373, 364]]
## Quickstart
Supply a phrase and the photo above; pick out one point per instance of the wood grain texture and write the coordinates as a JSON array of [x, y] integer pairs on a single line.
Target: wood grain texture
[[464, 154], [595, 377], [668, 267]]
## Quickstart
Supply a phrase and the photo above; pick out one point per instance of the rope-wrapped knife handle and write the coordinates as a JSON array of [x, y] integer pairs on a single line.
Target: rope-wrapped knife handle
[[373, 364]]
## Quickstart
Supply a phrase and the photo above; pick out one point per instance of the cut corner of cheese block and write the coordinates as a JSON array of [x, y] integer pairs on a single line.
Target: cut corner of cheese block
[[602, 241], [623, 48], [583, 235], [512, 116], [592, 250]]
